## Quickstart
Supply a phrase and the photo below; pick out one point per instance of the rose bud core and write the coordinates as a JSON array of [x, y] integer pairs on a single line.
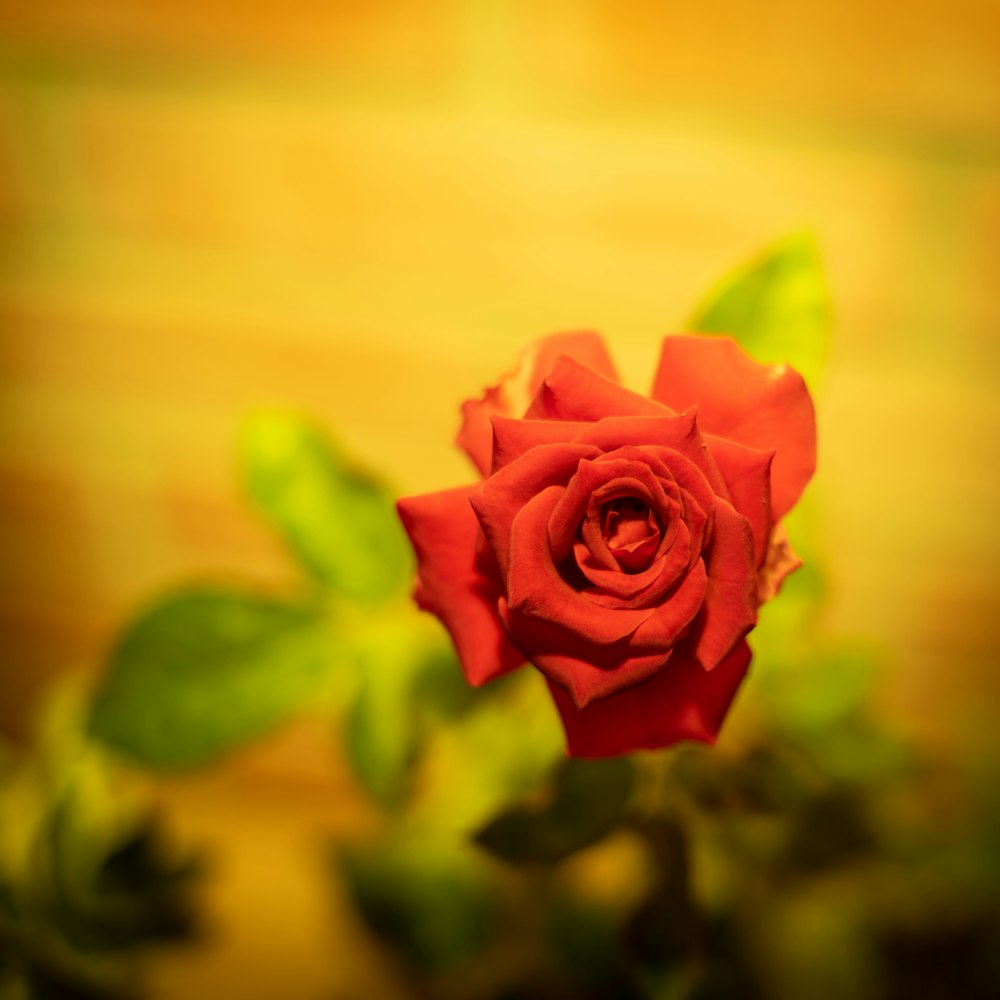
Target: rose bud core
[[621, 544]]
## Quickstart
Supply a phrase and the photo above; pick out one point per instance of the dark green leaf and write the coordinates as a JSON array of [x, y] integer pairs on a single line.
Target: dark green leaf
[[588, 801], [337, 520], [585, 941], [777, 307], [138, 895], [434, 902], [207, 670], [664, 933]]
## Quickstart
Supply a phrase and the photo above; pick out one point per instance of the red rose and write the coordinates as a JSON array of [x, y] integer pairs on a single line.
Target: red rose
[[620, 544]]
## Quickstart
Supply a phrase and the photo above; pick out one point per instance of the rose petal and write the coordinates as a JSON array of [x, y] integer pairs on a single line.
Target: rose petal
[[730, 608], [535, 586], [679, 433], [572, 392], [766, 407], [614, 589], [500, 498], [670, 618], [748, 475], [679, 702], [679, 478], [458, 580], [696, 495], [781, 560], [626, 476], [512, 438], [586, 671], [515, 391]]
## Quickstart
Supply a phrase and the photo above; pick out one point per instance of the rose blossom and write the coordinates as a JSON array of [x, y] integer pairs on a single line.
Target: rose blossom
[[621, 544]]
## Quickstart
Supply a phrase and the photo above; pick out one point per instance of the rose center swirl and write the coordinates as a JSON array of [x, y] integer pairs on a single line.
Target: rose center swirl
[[631, 532]]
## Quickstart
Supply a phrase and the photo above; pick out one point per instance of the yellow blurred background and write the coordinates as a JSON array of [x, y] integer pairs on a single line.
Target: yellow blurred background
[[363, 210]]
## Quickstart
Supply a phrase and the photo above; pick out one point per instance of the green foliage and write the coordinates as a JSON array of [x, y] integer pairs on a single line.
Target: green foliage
[[206, 670], [777, 307], [432, 900], [501, 747], [812, 698], [383, 725], [588, 800], [88, 881], [584, 942], [337, 520]]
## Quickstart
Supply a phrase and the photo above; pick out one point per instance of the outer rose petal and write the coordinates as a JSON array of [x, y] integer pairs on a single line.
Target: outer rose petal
[[572, 392], [680, 702], [515, 391], [458, 580], [766, 407], [512, 438], [730, 608], [748, 475]]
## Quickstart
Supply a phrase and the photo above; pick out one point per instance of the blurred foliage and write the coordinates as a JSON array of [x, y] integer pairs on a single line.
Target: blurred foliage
[[587, 801], [209, 668], [825, 862], [337, 520], [88, 884], [201, 649], [431, 898]]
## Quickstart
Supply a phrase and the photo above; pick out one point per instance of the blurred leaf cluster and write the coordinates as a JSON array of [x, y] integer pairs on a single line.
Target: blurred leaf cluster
[[820, 857], [775, 872], [89, 883], [210, 667]]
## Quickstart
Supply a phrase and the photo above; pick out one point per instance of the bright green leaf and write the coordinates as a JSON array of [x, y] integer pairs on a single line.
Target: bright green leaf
[[777, 306], [382, 724], [500, 748], [337, 520], [207, 670]]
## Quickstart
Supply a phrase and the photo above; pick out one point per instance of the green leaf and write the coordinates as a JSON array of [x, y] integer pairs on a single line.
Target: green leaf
[[503, 746], [586, 942], [382, 725], [139, 895], [824, 693], [777, 306], [337, 520], [207, 670], [433, 900], [588, 801]]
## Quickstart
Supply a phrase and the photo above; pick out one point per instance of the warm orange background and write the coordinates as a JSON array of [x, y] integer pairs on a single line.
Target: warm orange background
[[364, 209]]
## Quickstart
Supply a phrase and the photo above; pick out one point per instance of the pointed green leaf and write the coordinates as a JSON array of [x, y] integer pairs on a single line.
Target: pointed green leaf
[[337, 520], [588, 801], [777, 306], [207, 670]]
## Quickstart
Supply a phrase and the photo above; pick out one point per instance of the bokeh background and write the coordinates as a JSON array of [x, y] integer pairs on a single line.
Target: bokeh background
[[363, 211]]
